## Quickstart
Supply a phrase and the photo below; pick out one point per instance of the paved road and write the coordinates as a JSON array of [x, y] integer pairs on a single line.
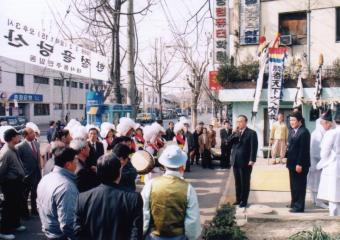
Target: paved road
[[209, 184]]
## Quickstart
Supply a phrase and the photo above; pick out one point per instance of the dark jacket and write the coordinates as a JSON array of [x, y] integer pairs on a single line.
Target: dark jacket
[[109, 213], [190, 140], [30, 160], [95, 154], [169, 134], [225, 134], [11, 167], [298, 148], [128, 177], [196, 136], [86, 178], [244, 147], [50, 133]]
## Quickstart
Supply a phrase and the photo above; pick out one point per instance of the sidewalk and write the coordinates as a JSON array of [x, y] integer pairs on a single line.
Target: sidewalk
[[267, 216]]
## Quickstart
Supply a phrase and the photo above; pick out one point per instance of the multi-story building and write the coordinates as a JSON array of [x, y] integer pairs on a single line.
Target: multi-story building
[[40, 94], [307, 27]]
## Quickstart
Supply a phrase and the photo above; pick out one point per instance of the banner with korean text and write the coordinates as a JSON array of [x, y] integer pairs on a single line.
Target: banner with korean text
[[213, 83], [250, 11], [24, 43], [220, 31], [277, 58]]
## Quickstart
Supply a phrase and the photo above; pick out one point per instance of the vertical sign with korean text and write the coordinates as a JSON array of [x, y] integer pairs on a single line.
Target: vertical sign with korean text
[[277, 57], [213, 83], [249, 22], [24, 43], [220, 33]]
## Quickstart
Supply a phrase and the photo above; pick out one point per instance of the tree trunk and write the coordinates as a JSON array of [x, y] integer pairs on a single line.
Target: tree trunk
[[131, 90], [160, 103], [194, 100]]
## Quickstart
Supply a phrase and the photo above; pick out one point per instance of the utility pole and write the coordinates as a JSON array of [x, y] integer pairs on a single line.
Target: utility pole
[[131, 90], [308, 36]]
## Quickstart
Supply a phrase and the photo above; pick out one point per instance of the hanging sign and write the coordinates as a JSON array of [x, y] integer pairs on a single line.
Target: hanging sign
[[249, 22], [220, 32], [277, 57], [213, 83]]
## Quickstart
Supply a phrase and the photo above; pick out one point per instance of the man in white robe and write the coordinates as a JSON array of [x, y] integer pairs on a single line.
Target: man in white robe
[[329, 187], [323, 124]]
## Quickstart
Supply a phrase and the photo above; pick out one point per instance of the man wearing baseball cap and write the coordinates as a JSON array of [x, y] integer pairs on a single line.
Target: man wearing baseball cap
[[171, 208], [11, 177]]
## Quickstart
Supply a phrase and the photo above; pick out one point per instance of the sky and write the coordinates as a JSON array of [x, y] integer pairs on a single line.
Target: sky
[[39, 13]]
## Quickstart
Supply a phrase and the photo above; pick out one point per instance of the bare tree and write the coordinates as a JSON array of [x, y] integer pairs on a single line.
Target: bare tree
[[105, 15], [158, 74]]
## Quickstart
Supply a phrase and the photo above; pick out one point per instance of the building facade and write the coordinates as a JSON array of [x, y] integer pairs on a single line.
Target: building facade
[[40, 94], [307, 27]]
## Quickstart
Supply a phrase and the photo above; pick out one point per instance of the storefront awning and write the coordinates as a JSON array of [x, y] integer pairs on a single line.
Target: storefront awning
[[93, 111]]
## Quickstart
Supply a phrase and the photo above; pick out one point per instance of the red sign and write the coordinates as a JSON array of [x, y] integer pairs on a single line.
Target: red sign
[[213, 83]]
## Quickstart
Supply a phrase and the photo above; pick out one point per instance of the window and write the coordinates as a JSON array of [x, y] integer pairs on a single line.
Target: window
[[74, 84], [73, 106], [58, 82], [338, 24], [81, 85], [294, 24], [41, 109], [41, 80], [81, 106], [58, 106], [86, 86], [67, 83], [20, 79]]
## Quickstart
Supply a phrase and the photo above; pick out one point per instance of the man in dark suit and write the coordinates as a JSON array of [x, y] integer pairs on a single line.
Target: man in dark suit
[[225, 147], [169, 133], [29, 153], [107, 211], [96, 148], [86, 177], [244, 150], [298, 161]]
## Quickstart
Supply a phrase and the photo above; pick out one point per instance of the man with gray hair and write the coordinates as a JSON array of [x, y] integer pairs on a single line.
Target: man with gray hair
[[86, 176]]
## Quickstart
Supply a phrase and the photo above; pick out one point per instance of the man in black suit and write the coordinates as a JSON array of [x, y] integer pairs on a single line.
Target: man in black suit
[[298, 161], [243, 155], [169, 133], [225, 147], [86, 177], [29, 153], [107, 211], [96, 148]]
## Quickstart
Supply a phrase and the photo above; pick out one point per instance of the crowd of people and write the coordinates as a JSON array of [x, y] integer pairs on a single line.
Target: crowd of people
[[84, 186]]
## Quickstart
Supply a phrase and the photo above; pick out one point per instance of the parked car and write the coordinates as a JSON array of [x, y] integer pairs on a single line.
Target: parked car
[[145, 117], [18, 122]]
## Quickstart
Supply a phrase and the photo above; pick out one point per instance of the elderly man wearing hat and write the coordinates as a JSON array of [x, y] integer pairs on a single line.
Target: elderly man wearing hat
[[11, 177], [171, 208], [330, 165], [323, 124]]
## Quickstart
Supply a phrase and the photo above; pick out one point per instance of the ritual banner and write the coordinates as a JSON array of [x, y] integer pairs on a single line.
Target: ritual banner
[[277, 57], [318, 83]]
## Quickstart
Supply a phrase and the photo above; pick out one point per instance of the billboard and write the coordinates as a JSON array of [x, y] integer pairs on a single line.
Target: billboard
[[24, 43]]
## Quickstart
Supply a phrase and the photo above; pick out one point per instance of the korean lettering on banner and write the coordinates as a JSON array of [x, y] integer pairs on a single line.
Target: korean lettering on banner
[[249, 22], [276, 67], [23, 43], [220, 31]]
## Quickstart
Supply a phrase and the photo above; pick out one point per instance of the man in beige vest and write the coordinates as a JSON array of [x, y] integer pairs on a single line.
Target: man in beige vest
[[171, 208]]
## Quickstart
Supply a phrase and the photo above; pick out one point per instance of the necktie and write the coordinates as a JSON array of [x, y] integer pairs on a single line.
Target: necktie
[[94, 146], [33, 148]]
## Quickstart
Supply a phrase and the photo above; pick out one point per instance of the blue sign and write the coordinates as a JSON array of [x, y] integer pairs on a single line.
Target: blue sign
[[94, 98], [23, 97]]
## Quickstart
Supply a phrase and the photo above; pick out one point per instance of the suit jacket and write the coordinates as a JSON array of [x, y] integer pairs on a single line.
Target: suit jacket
[[225, 134], [86, 178], [244, 147], [95, 153], [169, 134], [108, 212], [298, 148], [30, 160]]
